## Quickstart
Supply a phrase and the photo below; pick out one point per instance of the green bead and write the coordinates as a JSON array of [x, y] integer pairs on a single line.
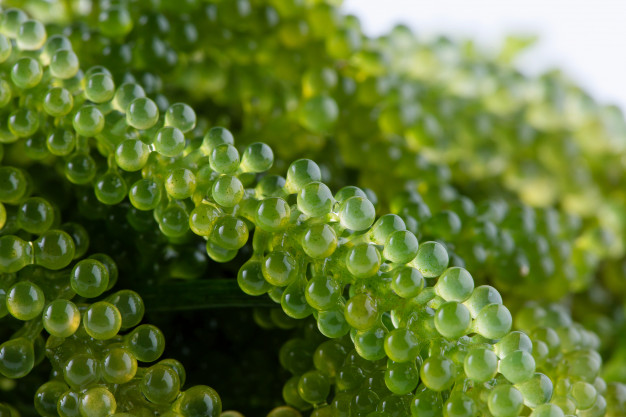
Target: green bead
[[319, 114], [142, 113], [61, 318], [15, 254], [363, 260], [480, 365], [322, 292], [455, 284], [169, 141], [481, 297], [547, 410], [332, 323], [426, 403], [370, 343], [89, 278], [402, 345], [80, 168], [452, 320], [431, 260], [385, 226], [400, 247], [279, 268], [26, 73], [88, 121], [35, 215], [97, 402], [293, 301], [130, 306], [5, 48], [505, 401], [53, 44], [258, 157], [5, 91], [119, 366], [200, 401], [13, 184], [115, 22], [295, 356], [460, 405], [99, 88], [17, 357], [180, 183], [215, 137], [64, 64], [160, 384], [517, 366], [401, 378], [301, 173], [227, 191], [250, 279], [407, 282], [584, 394], [109, 264], [146, 343], [493, 322], [67, 406], [131, 155], [47, 396], [219, 254], [348, 191], [35, 148], [314, 387], [319, 241], [174, 221], [224, 159], [60, 142], [145, 194], [361, 312], [438, 373], [58, 102], [273, 214], [229, 232], [315, 199], [25, 300], [31, 35], [111, 188], [537, 390], [329, 357], [102, 320], [177, 367], [513, 341], [202, 218], [125, 94], [357, 213], [23, 123], [180, 116]]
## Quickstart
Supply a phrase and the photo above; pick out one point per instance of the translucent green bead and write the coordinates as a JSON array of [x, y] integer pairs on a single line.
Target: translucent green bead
[[370, 343], [357, 213], [200, 401], [452, 320], [160, 384], [180, 183], [35, 215], [363, 260], [385, 226], [329, 357], [332, 323], [99, 88], [58, 102], [322, 292], [400, 247], [319, 114], [407, 282], [584, 394], [35, 148], [493, 322], [455, 284], [402, 345], [319, 241], [119, 366], [115, 22], [218, 253], [361, 312], [5, 48], [295, 356], [11, 21], [250, 279], [64, 64], [438, 373], [536, 390], [61, 318], [547, 410], [258, 157], [125, 94], [110, 188], [31, 35], [146, 343], [26, 73], [25, 300], [227, 191], [224, 159], [513, 341], [80, 168], [109, 264], [130, 306], [97, 402], [517, 366], [480, 365], [145, 194], [102, 320], [230, 232], [47, 397], [15, 254], [67, 406], [131, 155], [348, 191], [301, 173], [17, 357], [169, 141], [401, 378], [5, 93], [279, 268], [177, 367], [215, 137], [426, 403], [481, 297], [431, 259], [505, 401], [89, 278], [460, 405], [180, 116], [53, 44], [142, 113], [273, 214], [88, 121], [282, 411], [293, 301], [23, 122], [13, 184], [314, 387], [174, 221], [202, 218], [315, 199]]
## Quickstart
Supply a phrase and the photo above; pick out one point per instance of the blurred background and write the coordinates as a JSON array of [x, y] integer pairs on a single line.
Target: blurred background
[[585, 38]]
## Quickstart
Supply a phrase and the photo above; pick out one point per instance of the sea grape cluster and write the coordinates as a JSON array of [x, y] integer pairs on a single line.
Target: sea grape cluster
[[447, 283]]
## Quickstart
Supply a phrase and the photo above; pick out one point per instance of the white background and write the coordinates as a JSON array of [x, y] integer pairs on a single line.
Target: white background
[[585, 38]]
